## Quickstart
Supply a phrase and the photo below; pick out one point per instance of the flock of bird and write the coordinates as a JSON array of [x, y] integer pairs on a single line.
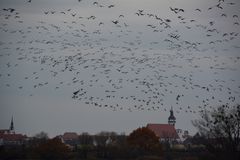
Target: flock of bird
[[110, 62]]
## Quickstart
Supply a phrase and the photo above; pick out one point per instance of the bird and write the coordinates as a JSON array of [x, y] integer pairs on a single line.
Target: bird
[[131, 69], [111, 6], [11, 10], [218, 6], [235, 23], [91, 17], [95, 3], [76, 92], [115, 22], [101, 23], [235, 16], [224, 15], [181, 10], [211, 23], [167, 20], [231, 3], [198, 10]]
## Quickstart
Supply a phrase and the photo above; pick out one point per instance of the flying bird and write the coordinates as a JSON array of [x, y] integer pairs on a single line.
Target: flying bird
[[198, 10], [115, 22], [110, 6], [235, 16]]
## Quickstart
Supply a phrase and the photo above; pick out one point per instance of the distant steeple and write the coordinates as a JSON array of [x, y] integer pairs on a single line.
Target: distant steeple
[[11, 128], [171, 118]]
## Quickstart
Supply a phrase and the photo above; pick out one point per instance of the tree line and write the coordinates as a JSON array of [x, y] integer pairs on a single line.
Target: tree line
[[218, 137]]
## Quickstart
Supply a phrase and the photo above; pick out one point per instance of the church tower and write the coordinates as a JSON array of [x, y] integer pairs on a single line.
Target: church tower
[[11, 128], [171, 118]]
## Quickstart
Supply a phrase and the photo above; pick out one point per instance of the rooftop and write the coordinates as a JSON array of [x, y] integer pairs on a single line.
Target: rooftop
[[164, 130]]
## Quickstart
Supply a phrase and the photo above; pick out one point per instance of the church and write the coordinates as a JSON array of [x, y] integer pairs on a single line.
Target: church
[[8, 131], [165, 132], [8, 137]]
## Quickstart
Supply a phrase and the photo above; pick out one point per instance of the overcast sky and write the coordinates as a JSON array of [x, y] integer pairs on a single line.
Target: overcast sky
[[115, 65]]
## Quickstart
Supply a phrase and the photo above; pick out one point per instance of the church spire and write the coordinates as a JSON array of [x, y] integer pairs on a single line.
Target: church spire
[[11, 128], [171, 118]]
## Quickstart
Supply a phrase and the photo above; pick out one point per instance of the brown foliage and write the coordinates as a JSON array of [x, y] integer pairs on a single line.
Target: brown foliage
[[52, 149], [144, 139]]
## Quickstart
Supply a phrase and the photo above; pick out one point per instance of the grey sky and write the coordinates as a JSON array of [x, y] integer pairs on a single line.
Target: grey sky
[[136, 67]]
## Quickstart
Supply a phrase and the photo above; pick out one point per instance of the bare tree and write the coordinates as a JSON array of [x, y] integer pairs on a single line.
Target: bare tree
[[101, 138], [221, 128], [86, 144], [41, 135], [85, 139]]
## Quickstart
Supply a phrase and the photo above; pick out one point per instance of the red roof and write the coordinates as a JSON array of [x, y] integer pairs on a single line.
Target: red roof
[[12, 137], [70, 136], [4, 131], [163, 130]]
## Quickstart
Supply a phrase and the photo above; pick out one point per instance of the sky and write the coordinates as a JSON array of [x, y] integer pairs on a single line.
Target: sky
[[115, 65]]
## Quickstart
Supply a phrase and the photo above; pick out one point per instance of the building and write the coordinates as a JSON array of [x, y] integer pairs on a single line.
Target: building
[[8, 137], [183, 134], [166, 132], [171, 118], [10, 130], [70, 138]]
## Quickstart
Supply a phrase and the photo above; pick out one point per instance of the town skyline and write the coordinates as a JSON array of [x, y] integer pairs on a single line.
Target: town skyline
[[171, 121]]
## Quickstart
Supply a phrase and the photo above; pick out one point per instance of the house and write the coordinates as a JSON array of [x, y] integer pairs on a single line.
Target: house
[[12, 139], [183, 134], [70, 138], [5, 131]]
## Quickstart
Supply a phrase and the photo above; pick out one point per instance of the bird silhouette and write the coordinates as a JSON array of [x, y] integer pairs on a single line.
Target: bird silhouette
[[115, 22], [198, 10]]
